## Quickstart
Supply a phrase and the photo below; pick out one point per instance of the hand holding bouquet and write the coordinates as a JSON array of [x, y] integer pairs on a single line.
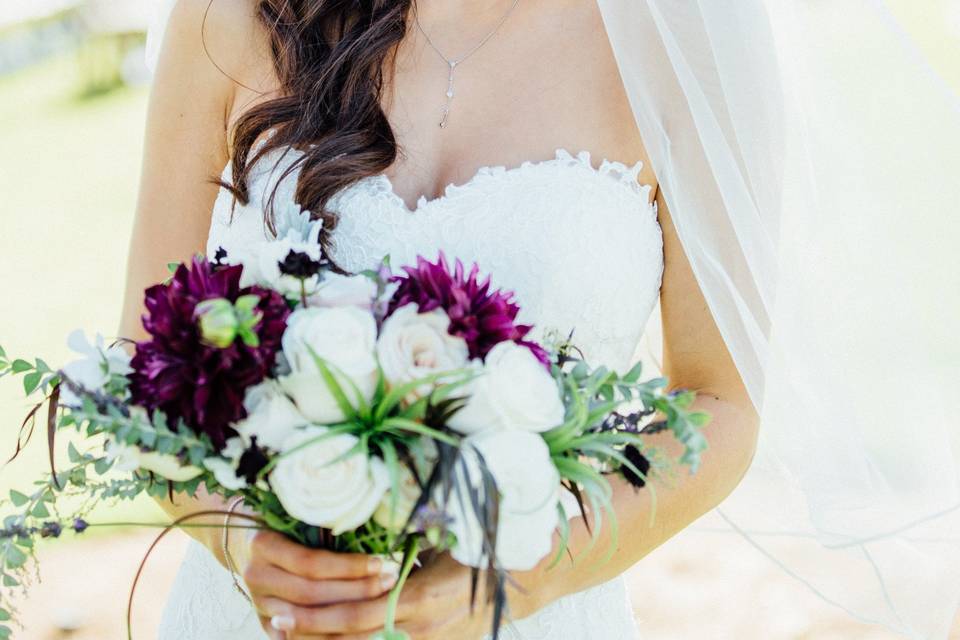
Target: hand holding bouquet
[[400, 415]]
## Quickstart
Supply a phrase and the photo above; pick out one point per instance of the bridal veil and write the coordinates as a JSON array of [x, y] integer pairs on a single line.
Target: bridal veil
[[809, 157], [810, 160]]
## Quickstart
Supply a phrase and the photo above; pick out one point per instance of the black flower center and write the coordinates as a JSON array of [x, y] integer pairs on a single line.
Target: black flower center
[[300, 265]]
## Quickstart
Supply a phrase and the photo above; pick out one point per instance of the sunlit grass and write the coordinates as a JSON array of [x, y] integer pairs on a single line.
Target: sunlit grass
[[68, 178]]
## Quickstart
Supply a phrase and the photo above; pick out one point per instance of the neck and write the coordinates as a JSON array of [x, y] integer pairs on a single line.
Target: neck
[[460, 18]]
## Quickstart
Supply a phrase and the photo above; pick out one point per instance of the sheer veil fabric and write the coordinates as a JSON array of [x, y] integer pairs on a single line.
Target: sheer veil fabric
[[809, 156]]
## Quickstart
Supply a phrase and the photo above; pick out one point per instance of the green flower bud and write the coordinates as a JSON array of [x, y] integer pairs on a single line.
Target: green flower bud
[[247, 319], [218, 322]]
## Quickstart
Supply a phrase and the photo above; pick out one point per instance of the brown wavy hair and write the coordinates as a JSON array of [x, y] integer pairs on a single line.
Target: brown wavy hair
[[330, 57]]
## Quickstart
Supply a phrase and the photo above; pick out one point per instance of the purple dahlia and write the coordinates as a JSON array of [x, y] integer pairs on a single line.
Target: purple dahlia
[[185, 376], [483, 318]]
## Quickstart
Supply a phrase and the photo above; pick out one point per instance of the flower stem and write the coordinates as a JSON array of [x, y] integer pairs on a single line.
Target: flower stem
[[409, 557]]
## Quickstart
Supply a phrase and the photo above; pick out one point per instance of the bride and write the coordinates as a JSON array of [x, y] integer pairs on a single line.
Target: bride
[[497, 131]]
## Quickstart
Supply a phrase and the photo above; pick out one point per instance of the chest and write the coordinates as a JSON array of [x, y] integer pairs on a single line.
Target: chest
[[577, 241], [547, 78]]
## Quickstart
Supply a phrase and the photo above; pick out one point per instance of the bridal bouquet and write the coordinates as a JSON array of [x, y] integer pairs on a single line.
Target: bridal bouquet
[[399, 414]]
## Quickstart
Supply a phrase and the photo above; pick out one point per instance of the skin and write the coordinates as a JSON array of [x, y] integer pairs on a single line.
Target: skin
[[523, 95]]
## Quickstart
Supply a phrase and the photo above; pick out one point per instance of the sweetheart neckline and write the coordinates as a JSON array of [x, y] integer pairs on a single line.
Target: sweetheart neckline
[[620, 172]]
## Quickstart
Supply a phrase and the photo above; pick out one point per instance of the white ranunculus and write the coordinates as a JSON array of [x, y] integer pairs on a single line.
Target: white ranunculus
[[413, 345], [338, 290], [514, 391], [261, 265], [393, 513], [234, 448], [529, 487], [317, 485], [344, 337], [94, 369], [167, 466], [226, 473], [271, 416], [291, 221], [224, 466]]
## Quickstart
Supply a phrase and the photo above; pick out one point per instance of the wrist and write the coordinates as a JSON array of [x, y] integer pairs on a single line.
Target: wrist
[[235, 543], [536, 590]]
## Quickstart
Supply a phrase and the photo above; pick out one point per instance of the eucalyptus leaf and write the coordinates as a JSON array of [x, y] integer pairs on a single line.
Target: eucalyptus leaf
[[14, 557], [18, 499], [31, 381], [19, 366]]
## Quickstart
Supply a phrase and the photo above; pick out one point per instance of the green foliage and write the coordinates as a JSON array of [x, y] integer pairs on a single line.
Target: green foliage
[[591, 442], [37, 375]]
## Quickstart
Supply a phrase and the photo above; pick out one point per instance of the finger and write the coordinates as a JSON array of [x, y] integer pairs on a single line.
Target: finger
[[364, 635], [317, 564], [269, 580], [353, 617], [272, 633]]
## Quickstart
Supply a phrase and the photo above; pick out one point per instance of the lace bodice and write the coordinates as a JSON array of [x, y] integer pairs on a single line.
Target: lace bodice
[[580, 246]]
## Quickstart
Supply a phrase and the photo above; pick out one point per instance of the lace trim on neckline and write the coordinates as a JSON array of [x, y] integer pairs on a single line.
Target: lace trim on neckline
[[623, 175]]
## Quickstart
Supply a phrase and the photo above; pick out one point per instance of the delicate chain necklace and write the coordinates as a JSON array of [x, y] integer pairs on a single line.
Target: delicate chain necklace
[[452, 63]]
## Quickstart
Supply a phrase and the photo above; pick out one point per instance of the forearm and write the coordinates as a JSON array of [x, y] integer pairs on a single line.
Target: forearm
[[210, 531], [731, 435]]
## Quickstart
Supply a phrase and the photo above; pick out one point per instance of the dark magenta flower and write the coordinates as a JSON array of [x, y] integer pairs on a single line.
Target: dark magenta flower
[[186, 377], [483, 318]]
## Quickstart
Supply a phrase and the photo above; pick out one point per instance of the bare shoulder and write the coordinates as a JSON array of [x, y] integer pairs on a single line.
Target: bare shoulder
[[591, 86], [223, 40]]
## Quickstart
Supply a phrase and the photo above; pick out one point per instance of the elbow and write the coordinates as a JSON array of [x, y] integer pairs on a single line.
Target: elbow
[[738, 449]]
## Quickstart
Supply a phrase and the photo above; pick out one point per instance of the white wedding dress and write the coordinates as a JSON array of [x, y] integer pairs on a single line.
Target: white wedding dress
[[581, 247]]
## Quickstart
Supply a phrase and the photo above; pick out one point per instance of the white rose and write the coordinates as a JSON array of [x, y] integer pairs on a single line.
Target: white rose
[[514, 391], [94, 369], [393, 513], [338, 290], [271, 416], [261, 265], [345, 338], [413, 345], [167, 466], [529, 487], [317, 485]]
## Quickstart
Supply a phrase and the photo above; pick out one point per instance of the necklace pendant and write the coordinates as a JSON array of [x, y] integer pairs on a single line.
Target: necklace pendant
[[450, 94]]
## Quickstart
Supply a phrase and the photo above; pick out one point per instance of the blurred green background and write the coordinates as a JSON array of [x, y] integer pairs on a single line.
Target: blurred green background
[[70, 143], [73, 94]]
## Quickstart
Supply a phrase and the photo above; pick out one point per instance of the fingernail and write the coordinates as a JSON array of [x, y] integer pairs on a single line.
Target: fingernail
[[387, 580], [283, 623], [390, 568]]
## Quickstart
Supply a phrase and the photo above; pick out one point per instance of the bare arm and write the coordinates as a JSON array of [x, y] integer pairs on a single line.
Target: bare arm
[[696, 358], [185, 146]]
